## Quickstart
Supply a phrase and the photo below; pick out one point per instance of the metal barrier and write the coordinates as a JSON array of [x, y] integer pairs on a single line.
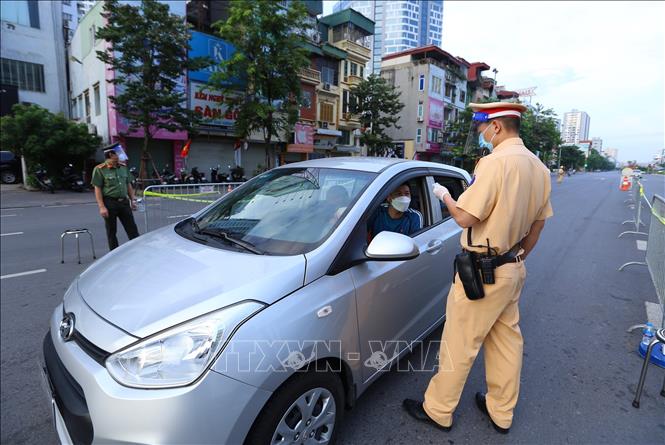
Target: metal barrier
[[167, 204], [656, 249], [638, 196]]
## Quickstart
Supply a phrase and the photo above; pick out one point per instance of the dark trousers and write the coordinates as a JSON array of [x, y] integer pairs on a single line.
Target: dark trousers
[[119, 209]]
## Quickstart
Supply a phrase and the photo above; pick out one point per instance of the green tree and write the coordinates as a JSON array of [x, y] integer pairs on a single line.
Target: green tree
[[377, 105], [540, 132], [596, 161], [46, 139], [571, 157], [148, 52], [270, 52]]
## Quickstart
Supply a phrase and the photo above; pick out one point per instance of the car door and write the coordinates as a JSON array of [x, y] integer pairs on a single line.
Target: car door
[[399, 300]]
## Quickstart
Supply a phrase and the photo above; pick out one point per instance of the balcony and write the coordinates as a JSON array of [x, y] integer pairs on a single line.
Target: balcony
[[353, 80], [328, 88], [310, 76], [354, 49]]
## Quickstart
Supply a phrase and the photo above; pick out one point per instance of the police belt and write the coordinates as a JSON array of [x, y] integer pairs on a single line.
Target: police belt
[[512, 256]]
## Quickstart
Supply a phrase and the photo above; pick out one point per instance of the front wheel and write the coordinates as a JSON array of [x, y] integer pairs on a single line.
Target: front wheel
[[307, 409], [8, 177]]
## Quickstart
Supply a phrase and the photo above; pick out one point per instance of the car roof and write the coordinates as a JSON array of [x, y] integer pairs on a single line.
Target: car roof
[[366, 164]]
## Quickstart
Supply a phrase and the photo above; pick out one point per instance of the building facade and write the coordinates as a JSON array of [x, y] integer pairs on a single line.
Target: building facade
[[575, 127], [32, 61], [597, 144], [399, 25], [72, 13], [90, 88], [434, 90]]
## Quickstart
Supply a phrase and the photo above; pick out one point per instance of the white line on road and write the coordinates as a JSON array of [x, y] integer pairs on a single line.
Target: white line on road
[[177, 216], [5, 216], [52, 207], [12, 233], [20, 274]]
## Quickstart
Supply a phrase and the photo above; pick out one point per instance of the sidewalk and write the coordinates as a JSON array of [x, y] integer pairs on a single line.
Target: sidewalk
[[14, 196]]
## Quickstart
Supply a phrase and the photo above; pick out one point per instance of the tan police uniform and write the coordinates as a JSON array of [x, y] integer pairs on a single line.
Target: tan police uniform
[[511, 190]]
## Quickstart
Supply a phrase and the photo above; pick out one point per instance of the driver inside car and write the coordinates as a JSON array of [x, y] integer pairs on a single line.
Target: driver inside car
[[395, 215]]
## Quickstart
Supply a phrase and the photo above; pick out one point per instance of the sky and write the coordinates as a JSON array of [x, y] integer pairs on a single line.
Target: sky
[[605, 58]]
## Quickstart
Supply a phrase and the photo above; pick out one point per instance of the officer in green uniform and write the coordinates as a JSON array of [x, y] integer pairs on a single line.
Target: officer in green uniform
[[115, 197]]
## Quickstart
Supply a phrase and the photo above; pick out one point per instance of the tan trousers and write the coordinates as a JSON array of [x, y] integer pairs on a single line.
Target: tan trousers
[[491, 322]]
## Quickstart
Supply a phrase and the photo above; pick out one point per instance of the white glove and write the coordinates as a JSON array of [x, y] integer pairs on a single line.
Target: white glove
[[440, 191]]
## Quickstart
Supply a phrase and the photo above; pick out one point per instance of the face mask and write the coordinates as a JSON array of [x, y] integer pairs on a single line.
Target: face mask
[[401, 204], [483, 143]]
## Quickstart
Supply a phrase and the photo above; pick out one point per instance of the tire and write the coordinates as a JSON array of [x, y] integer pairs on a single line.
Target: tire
[[8, 177], [281, 411]]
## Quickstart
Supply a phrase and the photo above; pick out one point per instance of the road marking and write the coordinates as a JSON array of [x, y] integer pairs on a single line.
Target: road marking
[[6, 216], [20, 274], [177, 216], [12, 233], [641, 245], [52, 207]]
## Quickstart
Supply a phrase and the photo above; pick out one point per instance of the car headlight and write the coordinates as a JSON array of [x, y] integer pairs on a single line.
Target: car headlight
[[179, 355]]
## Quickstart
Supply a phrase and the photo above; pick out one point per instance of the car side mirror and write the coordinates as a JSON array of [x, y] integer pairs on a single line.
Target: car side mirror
[[391, 246]]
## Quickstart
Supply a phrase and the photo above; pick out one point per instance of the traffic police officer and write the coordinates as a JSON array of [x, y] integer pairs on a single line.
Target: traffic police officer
[[505, 207], [114, 195]]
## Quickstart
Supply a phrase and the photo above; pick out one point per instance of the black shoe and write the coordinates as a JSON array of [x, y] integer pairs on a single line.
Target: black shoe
[[482, 406], [415, 409]]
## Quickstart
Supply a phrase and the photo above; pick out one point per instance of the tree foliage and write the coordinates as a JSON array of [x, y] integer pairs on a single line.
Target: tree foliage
[[540, 132], [270, 52], [596, 161], [571, 157], [148, 49], [377, 105], [46, 139]]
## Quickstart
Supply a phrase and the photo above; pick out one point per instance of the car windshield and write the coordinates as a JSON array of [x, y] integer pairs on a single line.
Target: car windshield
[[286, 211]]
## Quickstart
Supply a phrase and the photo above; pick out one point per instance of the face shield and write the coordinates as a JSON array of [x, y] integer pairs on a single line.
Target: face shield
[[471, 146]]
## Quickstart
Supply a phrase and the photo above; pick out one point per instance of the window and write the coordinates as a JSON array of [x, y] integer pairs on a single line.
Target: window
[[306, 99], [421, 82], [419, 135], [326, 112], [420, 111], [346, 68], [98, 107], [66, 17], [93, 35], [354, 69], [346, 138], [462, 96], [449, 90], [24, 75], [436, 84], [21, 12], [87, 106], [79, 103], [66, 2], [454, 186], [328, 75], [362, 71], [74, 110]]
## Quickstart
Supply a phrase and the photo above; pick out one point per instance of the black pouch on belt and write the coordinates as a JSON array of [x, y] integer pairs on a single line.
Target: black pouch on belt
[[466, 265]]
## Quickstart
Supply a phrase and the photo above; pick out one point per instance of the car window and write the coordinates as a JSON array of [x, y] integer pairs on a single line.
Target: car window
[[287, 211], [455, 186], [6, 156], [413, 221]]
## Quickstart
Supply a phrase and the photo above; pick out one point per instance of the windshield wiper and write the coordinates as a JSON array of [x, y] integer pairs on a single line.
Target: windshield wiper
[[226, 237]]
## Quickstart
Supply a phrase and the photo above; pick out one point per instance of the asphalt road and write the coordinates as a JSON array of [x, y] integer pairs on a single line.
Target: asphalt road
[[580, 367]]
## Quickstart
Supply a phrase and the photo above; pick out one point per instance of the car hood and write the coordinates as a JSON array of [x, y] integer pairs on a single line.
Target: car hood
[[161, 279]]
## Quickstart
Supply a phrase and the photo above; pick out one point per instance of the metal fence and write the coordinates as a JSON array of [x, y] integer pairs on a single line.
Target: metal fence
[[656, 249], [638, 199], [166, 204]]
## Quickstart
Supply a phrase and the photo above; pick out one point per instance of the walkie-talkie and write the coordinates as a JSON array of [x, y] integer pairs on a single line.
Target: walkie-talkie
[[487, 265]]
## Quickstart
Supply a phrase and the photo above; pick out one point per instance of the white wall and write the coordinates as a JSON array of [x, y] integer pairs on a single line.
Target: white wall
[[44, 46]]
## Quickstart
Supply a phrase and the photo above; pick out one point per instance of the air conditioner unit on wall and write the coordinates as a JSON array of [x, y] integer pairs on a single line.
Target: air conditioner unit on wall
[[92, 128], [326, 86], [324, 124], [420, 119]]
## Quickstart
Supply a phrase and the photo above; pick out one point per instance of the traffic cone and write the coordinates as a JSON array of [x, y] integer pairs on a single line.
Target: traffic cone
[[625, 184]]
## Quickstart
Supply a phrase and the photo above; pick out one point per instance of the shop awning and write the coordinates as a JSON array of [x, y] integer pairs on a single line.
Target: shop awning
[[326, 132]]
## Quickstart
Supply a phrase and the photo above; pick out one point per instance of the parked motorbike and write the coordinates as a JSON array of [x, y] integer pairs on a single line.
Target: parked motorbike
[[216, 177], [238, 174], [183, 176], [196, 177], [168, 177], [71, 179], [133, 177], [43, 180]]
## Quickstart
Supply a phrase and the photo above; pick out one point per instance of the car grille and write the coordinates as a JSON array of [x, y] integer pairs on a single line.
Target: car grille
[[97, 354]]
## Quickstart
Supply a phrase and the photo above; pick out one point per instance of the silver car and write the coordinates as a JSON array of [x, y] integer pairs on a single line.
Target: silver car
[[260, 319]]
